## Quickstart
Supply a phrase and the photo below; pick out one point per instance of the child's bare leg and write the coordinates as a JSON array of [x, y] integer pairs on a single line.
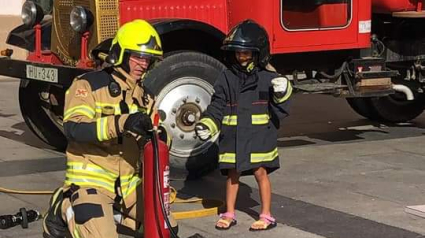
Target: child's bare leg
[[232, 187], [265, 189], [265, 193]]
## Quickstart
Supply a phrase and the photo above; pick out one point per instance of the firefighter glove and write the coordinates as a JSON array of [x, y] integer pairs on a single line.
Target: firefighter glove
[[202, 131], [138, 123], [280, 84]]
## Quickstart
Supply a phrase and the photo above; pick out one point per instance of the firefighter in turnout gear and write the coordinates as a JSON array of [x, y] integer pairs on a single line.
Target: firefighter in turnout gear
[[249, 101], [104, 113]]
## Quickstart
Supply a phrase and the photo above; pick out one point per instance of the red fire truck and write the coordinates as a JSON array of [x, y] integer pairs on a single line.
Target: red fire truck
[[367, 51]]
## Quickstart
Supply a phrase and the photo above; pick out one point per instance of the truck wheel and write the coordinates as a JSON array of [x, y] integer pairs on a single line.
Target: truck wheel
[[395, 108], [183, 83], [39, 114], [363, 107]]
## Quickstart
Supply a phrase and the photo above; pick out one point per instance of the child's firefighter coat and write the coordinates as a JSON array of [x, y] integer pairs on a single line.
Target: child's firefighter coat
[[246, 113]]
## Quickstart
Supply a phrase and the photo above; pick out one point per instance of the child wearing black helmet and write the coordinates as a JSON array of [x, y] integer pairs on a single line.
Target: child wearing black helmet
[[249, 100]]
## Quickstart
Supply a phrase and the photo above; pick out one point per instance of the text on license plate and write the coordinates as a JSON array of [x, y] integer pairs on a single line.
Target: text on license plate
[[43, 74]]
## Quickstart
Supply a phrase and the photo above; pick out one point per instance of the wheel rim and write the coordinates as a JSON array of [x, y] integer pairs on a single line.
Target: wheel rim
[[50, 98], [183, 101]]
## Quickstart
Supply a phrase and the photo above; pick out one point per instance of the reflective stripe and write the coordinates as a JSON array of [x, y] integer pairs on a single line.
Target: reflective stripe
[[210, 124], [230, 120], [129, 185], [257, 119], [227, 158], [78, 166], [76, 232], [144, 110], [264, 157], [260, 119], [88, 182], [90, 175], [69, 214], [255, 157], [287, 95], [92, 172], [116, 106], [102, 128], [82, 109], [133, 108]]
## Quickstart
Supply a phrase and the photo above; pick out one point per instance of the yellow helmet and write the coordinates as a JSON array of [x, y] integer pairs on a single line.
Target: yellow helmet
[[135, 37]]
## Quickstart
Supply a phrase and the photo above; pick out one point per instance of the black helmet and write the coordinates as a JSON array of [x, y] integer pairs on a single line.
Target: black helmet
[[249, 35]]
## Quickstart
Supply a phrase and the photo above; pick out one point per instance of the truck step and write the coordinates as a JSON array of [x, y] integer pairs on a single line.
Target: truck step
[[376, 74], [318, 87], [409, 14]]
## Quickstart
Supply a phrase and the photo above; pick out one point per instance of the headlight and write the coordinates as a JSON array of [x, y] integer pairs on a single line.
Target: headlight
[[31, 13], [80, 19]]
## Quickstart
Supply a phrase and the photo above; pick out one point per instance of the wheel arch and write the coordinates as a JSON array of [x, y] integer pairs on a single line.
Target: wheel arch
[[189, 35], [181, 35]]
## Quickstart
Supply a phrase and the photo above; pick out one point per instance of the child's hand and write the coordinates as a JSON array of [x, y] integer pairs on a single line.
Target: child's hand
[[280, 84], [202, 131]]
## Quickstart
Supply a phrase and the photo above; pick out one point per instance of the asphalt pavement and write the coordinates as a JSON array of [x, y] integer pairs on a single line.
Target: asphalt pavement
[[341, 177]]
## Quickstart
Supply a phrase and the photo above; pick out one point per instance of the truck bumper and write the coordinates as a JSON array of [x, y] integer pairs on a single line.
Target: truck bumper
[[47, 73]]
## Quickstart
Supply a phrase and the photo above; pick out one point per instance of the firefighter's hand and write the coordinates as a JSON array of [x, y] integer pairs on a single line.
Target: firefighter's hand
[[280, 84], [138, 123], [202, 131]]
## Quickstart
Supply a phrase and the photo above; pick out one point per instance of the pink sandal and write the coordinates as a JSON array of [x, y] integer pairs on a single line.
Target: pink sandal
[[265, 222], [224, 219]]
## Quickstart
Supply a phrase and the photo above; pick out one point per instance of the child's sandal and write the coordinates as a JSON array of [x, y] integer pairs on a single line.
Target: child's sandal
[[225, 220], [265, 222]]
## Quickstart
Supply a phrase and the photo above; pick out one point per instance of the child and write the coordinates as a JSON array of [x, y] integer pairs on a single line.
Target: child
[[249, 100]]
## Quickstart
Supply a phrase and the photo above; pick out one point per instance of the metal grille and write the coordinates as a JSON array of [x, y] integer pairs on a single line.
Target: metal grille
[[66, 42], [65, 7], [108, 19], [108, 27], [66, 3], [108, 5]]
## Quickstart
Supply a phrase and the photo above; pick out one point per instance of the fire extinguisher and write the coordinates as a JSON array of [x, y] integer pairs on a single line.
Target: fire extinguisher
[[156, 187]]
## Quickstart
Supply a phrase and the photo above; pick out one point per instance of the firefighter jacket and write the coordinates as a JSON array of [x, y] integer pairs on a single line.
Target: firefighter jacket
[[99, 155], [246, 114]]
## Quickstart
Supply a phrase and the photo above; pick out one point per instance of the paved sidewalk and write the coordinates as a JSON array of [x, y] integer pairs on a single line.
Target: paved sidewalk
[[7, 24], [335, 191]]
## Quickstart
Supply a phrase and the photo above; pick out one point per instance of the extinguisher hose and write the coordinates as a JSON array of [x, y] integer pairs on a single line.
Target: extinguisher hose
[[24, 192], [158, 188]]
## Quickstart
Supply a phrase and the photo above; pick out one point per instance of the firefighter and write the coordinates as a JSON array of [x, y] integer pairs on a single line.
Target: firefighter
[[249, 100], [104, 113]]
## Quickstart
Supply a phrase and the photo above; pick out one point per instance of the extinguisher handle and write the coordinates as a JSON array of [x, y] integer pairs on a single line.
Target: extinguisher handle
[[156, 120]]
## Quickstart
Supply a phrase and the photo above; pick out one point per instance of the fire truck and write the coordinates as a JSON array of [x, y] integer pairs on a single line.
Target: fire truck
[[369, 52]]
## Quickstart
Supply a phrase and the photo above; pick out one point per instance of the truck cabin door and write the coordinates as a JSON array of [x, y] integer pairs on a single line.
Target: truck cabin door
[[313, 23]]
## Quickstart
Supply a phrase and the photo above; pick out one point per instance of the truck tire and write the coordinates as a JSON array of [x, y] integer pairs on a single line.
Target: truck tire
[[363, 107], [395, 108], [183, 83], [36, 117]]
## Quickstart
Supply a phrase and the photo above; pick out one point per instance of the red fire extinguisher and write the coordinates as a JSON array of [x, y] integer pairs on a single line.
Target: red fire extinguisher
[[156, 187]]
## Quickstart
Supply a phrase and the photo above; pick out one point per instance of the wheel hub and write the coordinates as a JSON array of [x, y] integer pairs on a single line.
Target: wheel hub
[[187, 115], [183, 102]]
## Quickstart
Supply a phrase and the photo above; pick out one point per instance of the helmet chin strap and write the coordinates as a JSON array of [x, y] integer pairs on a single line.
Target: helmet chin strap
[[247, 66], [125, 63], [250, 67]]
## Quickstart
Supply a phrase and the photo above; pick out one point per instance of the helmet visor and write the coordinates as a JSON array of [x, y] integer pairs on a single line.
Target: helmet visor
[[141, 54], [234, 47]]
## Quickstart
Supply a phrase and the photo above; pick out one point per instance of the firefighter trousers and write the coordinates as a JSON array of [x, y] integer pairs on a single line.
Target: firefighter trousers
[[91, 213]]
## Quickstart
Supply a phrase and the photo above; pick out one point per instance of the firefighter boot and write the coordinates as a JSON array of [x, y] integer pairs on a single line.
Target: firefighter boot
[[53, 224]]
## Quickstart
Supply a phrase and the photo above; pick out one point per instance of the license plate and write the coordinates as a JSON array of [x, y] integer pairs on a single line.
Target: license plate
[[42, 74]]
